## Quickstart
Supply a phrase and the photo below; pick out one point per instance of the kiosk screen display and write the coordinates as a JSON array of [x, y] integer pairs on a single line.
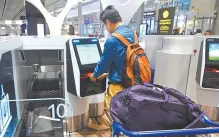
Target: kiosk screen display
[[88, 53], [213, 52]]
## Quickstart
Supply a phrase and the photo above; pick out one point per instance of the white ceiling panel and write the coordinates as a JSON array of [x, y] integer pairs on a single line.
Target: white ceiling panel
[[13, 9]]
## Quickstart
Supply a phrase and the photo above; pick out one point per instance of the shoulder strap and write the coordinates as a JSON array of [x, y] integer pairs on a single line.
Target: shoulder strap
[[121, 38], [124, 40]]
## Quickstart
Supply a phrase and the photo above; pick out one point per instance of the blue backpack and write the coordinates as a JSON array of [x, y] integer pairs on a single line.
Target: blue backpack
[[151, 107]]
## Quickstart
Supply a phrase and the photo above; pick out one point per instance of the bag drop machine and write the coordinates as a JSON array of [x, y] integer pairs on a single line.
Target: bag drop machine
[[184, 64], [57, 67]]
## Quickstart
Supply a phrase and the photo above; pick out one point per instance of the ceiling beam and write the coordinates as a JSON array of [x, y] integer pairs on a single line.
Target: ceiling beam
[[3, 9]]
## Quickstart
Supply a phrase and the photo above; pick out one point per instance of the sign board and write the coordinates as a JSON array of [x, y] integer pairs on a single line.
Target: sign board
[[166, 21]]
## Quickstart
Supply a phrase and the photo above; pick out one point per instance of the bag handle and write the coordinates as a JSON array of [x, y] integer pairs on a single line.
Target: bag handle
[[166, 97]]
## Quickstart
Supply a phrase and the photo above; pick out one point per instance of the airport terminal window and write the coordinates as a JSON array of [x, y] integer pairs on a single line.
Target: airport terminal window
[[88, 53]]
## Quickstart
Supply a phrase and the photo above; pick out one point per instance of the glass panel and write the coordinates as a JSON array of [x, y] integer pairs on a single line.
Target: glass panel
[[91, 19], [152, 25], [149, 25], [198, 24], [34, 117]]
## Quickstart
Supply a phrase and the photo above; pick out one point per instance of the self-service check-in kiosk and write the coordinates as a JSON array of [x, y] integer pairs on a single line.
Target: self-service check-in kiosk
[[82, 56], [207, 75]]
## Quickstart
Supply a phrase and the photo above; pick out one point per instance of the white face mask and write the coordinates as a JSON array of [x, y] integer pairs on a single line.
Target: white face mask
[[106, 33]]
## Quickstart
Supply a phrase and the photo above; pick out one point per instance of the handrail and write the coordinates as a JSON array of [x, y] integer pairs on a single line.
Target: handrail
[[117, 128]]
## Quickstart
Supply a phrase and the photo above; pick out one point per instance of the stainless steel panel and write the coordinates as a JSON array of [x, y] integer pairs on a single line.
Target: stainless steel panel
[[77, 123], [96, 109], [41, 57], [51, 68], [65, 128], [48, 75]]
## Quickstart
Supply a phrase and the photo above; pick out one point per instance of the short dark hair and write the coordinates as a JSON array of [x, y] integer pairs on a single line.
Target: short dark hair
[[198, 31], [111, 14], [208, 31]]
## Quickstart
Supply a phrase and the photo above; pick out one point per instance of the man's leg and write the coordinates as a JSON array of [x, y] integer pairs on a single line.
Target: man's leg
[[112, 90]]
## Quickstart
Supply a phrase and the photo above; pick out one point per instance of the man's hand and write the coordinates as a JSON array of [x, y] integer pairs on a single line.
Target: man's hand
[[92, 78], [103, 76]]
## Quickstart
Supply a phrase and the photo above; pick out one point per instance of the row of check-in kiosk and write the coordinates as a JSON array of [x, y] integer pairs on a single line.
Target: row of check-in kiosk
[[46, 91]]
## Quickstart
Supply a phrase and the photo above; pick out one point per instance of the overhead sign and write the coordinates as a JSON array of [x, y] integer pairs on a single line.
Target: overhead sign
[[165, 21]]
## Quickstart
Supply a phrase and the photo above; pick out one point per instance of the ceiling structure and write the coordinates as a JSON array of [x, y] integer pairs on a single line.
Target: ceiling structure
[[150, 5], [13, 9], [9, 8]]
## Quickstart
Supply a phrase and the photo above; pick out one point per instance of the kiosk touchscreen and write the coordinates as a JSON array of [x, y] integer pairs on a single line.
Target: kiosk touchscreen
[[82, 55], [208, 65]]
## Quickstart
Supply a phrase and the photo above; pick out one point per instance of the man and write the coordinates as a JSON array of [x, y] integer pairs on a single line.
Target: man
[[176, 31], [208, 32], [198, 32], [114, 55]]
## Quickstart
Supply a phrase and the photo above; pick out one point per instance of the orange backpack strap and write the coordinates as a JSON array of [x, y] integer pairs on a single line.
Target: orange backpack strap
[[121, 38], [124, 40]]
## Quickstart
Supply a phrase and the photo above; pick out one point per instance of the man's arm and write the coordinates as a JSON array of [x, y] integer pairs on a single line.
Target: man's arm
[[106, 59]]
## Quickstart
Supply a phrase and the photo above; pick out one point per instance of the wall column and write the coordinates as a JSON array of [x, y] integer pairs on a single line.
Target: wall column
[[34, 17]]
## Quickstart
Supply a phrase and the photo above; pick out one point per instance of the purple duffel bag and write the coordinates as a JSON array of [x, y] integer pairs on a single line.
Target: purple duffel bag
[[151, 107]]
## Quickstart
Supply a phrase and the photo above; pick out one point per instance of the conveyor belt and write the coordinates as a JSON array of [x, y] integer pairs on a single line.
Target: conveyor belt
[[46, 88], [41, 89]]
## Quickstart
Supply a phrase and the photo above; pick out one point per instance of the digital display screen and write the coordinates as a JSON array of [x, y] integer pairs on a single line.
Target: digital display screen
[[88, 53], [213, 52]]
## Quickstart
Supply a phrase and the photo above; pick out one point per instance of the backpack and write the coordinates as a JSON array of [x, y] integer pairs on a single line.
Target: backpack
[[151, 107], [137, 69]]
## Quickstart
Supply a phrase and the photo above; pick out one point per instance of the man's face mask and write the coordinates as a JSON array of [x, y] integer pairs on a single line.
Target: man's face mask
[[108, 26], [106, 33]]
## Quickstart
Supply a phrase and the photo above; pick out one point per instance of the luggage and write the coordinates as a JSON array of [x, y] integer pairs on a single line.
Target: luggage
[[137, 69], [151, 107]]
